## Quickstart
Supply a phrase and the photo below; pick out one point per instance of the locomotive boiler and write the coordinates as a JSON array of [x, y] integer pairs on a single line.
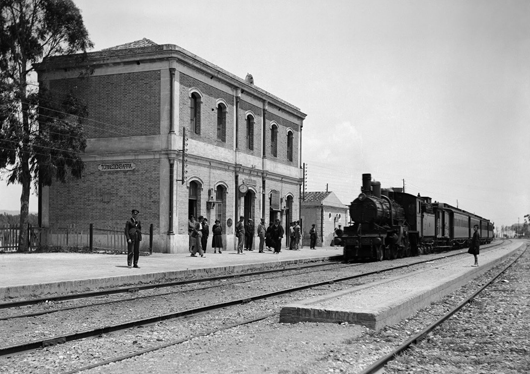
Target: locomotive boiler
[[379, 230]]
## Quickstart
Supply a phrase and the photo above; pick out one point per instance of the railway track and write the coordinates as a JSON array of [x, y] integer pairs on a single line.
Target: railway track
[[195, 311], [422, 335]]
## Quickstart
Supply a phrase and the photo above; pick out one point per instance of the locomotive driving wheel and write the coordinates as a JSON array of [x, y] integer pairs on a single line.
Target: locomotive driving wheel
[[386, 251], [393, 251], [379, 254]]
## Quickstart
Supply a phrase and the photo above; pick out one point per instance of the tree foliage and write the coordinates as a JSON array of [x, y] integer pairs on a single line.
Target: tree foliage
[[40, 131]]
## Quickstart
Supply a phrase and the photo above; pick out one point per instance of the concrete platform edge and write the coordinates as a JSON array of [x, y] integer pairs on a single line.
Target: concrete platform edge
[[87, 285], [386, 315]]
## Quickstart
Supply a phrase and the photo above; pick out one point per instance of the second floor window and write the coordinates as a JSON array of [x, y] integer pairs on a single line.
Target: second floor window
[[250, 132], [221, 122], [290, 146], [195, 113], [274, 140]]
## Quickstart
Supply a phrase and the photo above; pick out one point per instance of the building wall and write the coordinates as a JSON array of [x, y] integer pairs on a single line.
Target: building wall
[[129, 121], [325, 228], [118, 104]]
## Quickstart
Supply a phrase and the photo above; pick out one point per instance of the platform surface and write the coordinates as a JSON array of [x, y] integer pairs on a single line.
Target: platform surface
[[38, 274], [386, 302]]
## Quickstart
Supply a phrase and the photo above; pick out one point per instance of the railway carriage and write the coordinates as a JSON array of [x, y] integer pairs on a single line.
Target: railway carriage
[[389, 223]]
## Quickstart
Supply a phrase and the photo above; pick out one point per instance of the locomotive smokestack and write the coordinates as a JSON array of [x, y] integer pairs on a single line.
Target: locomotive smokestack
[[367, 184]]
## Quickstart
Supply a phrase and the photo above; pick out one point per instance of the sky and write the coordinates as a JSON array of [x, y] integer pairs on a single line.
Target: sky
[[430, 95]]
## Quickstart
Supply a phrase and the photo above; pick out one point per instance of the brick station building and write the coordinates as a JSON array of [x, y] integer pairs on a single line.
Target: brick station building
[[173, 135]]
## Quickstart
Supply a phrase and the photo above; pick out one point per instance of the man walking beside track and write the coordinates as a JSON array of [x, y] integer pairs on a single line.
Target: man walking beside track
[[133, 233]]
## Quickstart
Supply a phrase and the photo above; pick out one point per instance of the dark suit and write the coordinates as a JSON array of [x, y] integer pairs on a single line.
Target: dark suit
[[133, 233], [205, 234]]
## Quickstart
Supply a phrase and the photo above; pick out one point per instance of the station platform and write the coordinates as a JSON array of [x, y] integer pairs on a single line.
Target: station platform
[[393, 299], [43, 274]]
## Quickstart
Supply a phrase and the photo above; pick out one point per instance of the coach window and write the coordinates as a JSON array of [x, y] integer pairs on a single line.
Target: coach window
[[250, 132], [274, 140], [290, 146], [195, 113], [221, 123], [193, 199]]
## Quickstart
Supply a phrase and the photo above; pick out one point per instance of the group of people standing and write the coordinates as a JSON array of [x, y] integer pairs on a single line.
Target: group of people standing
[[199, 231], [270, 237]]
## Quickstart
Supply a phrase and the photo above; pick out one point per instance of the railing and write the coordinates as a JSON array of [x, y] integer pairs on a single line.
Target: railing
[[94, 239], [10, 236]]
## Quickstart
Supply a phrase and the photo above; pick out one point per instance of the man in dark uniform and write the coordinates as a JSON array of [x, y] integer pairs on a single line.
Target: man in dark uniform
[[133, 233], [249, 235], [276, 236], [205, 234], [240, 234], [313, 235]]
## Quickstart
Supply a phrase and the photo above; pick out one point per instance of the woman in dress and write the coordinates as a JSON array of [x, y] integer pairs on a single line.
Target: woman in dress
[[217, 239], [474, 247]]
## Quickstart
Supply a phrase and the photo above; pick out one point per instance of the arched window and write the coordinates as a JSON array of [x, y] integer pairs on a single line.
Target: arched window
[[274, 140], [290, 146], [195, 113], [221, 122], [250, 132]]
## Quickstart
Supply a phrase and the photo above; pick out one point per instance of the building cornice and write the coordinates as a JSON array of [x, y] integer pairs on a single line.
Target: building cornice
[[156, 53]]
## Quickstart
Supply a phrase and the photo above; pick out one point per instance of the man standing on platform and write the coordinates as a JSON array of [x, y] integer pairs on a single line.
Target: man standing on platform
[[133, 233], [313, 237], [205, 234], [240, 233], [277, 236], [249, 234], [261, 234]]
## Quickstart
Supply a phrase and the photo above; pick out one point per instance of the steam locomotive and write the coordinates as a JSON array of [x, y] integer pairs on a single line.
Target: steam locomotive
[[390, 223]]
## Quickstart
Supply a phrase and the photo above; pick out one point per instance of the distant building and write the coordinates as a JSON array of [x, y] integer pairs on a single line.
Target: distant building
[[326, 211], [173, 135]]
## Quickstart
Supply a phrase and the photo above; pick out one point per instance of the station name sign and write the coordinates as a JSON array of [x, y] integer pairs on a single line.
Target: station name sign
[[119, 166]]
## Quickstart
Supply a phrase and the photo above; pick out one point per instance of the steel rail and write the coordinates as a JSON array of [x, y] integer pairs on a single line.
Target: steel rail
[[49, 311], [379, 364], [112, 328], [179, 283]]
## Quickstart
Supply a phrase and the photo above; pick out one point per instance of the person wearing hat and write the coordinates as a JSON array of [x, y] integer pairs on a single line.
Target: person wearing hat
[[249, 235], [205, 234], [313, 237], [261, 234], [240, 233], [217, 239], [133, 233], [277, 236]]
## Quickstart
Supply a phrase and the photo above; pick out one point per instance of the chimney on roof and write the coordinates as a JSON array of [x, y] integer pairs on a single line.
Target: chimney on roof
[[249, 78]]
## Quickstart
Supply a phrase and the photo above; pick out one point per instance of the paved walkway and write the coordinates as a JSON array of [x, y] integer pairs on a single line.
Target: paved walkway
[[24, 275]]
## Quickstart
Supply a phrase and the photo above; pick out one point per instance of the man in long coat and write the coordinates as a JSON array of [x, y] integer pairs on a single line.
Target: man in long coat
[[133, 233]]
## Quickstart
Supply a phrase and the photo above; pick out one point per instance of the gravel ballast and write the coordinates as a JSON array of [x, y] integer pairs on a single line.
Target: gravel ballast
[[263, 347]]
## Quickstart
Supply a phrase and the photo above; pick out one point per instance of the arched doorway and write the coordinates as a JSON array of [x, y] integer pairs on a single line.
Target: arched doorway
[[194, 199], [220, 206], [288, 219], [248, 207]]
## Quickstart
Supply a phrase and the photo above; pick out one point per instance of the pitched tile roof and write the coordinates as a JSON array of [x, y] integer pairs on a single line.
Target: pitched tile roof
[[136, 44], [315, 197]]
